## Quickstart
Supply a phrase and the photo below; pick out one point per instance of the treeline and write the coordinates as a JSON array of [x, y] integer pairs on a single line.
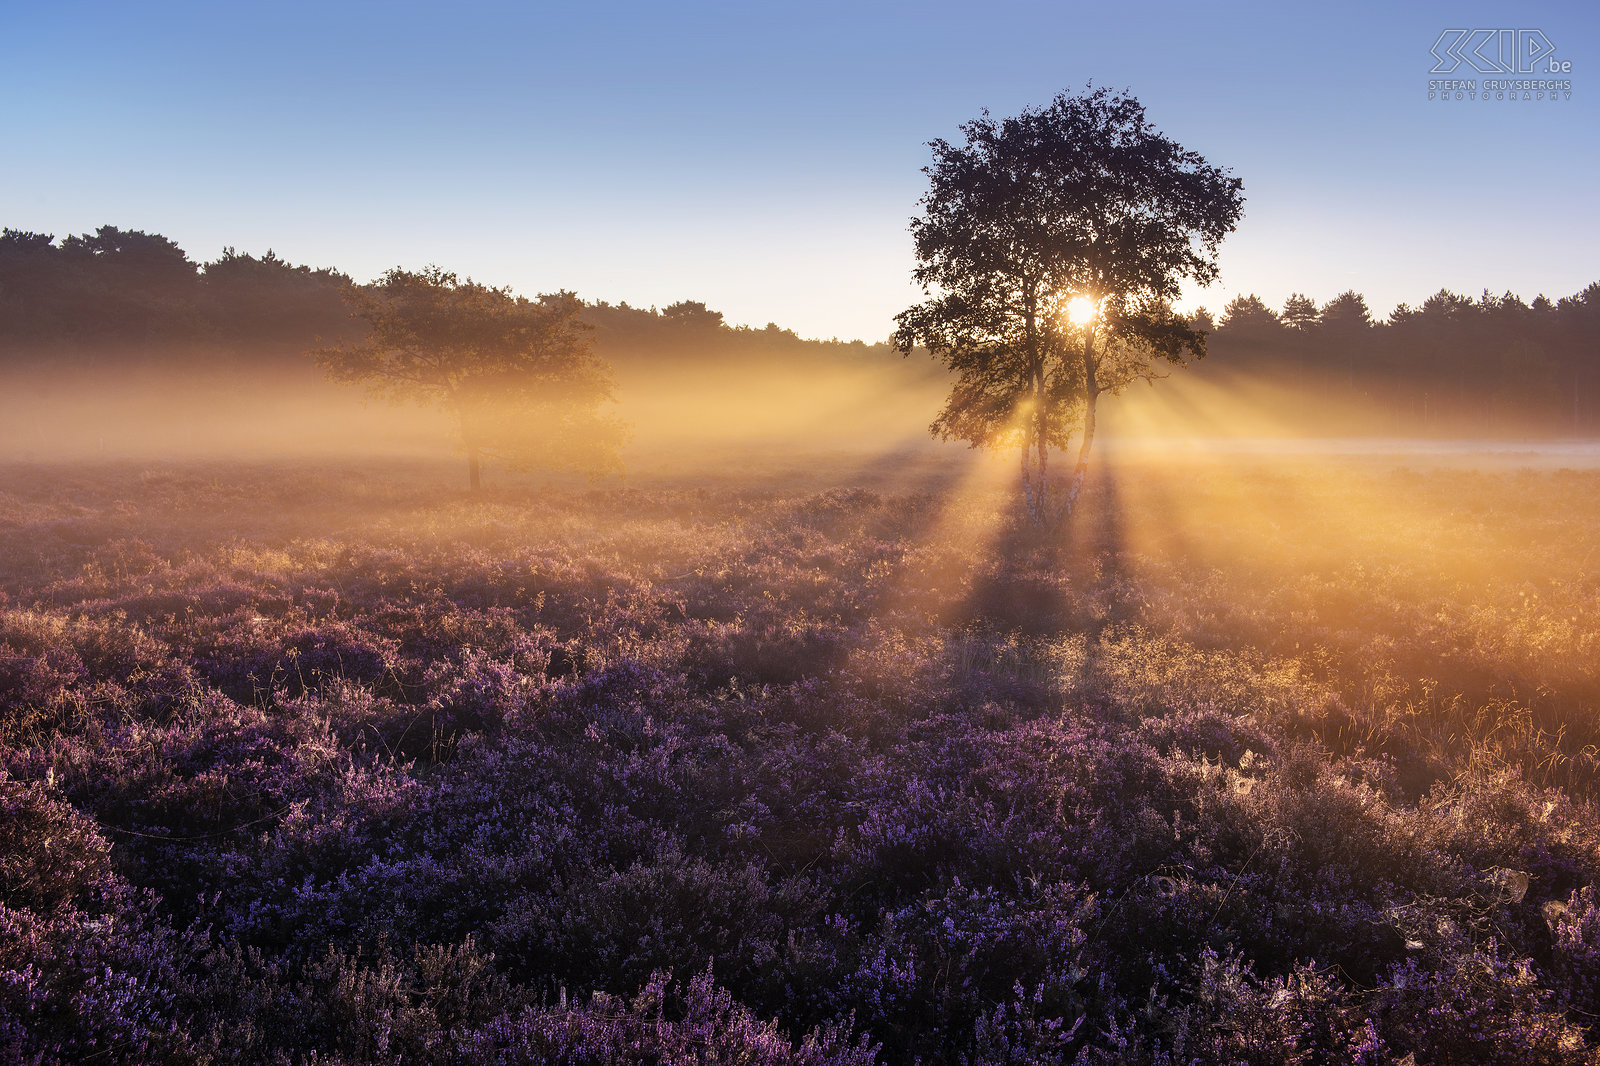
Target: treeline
[[70, 301], [139, 293], [1453, 365], [628, 335]]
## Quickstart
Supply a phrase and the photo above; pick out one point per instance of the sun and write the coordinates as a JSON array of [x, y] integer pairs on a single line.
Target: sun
[[1081, 310]]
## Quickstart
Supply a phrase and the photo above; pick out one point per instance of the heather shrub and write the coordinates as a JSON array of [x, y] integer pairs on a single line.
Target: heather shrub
[[1480, 1006], [963, 970], [1574, 925], [36, 690], [85, 968], [662, 1024], [1085, 801], [59, 673], [418, 1006], [383, 1009], [612, 929], [50, 854], [767, 648], [1494, 818], [1208, 732], [256, 658], [80, 986], [1224, 1013], [410, 777]]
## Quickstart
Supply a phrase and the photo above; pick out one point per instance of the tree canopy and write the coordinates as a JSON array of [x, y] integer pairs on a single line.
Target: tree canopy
[[1051, 246], [517, 376]]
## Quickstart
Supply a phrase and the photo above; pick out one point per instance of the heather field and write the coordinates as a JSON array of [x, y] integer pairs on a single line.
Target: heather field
[[1255, 761]]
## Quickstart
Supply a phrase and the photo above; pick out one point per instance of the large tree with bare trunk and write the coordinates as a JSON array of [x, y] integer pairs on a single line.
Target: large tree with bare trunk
[[515, 376], [1050, 248]]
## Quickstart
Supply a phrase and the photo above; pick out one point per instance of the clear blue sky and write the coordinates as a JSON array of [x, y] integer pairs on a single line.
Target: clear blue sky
[[765, 158]]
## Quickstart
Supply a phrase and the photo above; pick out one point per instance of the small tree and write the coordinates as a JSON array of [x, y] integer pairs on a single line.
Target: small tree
[[515, 375], [1051, 245]]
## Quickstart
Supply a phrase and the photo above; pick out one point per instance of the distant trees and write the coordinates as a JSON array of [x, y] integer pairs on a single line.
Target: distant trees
[[516, 376], [255, 299], [119, 299], [1050, 245], [135, 287], [689, 331], [1454, 364], [155, 261], [27, 289], [133, 293]]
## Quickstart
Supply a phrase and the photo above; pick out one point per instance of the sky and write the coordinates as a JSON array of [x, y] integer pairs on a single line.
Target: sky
[[766, 159]]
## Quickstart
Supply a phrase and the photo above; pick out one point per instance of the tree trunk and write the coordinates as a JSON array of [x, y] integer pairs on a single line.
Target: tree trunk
[[1091, 400], [1035, 480], [1036, 445], [464, 427], [1081, 471]]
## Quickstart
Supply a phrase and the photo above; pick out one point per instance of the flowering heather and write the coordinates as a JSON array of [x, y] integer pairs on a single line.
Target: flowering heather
[[1246, 766]]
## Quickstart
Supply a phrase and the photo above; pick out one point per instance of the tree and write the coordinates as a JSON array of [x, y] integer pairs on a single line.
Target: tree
[[1346, 328], [1347, 313], [515, 375], [1050, 247], [156, 261], [1300, 312], [1247, 317], [692, 314]]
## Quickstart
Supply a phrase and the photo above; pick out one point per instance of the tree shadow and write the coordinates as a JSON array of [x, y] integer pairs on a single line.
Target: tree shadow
[[908, 469], [1063, 579]]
